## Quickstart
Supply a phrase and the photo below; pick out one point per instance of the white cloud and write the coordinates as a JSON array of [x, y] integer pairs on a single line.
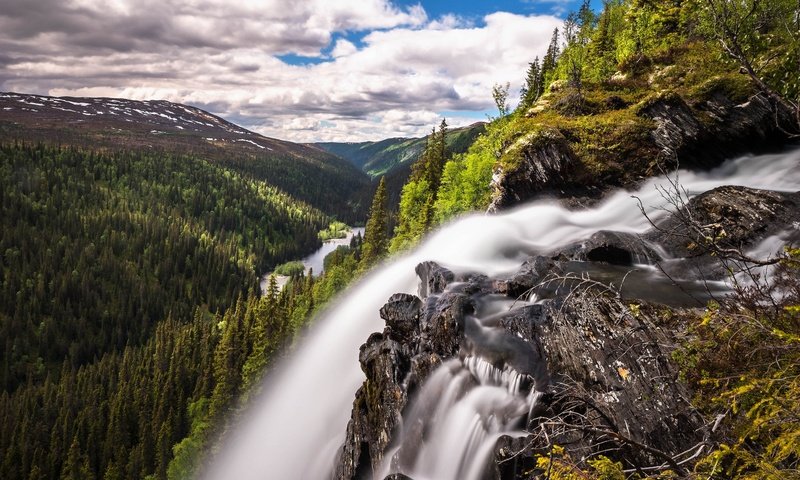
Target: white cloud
[[222, 56], [343, 48]]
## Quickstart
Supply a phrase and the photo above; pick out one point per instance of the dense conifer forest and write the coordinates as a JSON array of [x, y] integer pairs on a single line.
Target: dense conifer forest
[[131, 326], [129, 303]]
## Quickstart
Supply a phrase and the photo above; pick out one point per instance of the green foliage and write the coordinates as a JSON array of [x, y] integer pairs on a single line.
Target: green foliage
[[500, 96], [763, 37], [414, 215], [759, 397], [98, 248], [290, 269], [602, 58], [376, 232], [416, 209], [335, 230], [466, 178], [556, 464], [114, 264], [187, 453], [387, 156], [112, 417]]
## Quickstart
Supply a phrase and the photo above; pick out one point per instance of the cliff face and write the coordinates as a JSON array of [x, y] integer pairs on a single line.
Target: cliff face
[[595, 366], [697, 134]]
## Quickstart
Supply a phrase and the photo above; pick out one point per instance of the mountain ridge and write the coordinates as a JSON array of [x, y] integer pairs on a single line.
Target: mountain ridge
[[310, 174], [381, 157]]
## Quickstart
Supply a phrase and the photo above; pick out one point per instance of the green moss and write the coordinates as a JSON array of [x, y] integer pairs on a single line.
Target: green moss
[[736, 87]]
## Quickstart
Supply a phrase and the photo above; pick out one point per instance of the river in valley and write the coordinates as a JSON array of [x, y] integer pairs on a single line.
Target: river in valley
[[315, 260]]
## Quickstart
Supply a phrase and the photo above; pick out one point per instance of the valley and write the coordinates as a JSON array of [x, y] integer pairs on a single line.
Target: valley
[[600, 281]]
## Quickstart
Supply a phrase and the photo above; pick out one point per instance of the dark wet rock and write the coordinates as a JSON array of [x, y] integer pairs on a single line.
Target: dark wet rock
[[443, 323], [401, 314], [377, 407], [587, 353], [712, 130], [512, 455], [422, 365], [545, 166], [396, 362], [677, 130], [530, 274], [736, 217], [522, 321], [501, 347], [433, 278], [616, 248], [618, 361]]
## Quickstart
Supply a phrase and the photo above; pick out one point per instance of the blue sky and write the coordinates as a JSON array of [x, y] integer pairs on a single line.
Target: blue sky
[[476, 9], [307, 70]]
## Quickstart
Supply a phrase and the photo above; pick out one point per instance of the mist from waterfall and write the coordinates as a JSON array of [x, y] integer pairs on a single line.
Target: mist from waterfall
[[294, 430]]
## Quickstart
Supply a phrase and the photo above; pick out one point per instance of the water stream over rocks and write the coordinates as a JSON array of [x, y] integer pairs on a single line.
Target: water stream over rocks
[[492, 386]]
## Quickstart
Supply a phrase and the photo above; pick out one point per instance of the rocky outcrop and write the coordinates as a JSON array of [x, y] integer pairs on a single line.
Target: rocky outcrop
[[418, 334], [698, 135], [728, 219], [714, 130], [601, 368], [545, 163], [591, 347]]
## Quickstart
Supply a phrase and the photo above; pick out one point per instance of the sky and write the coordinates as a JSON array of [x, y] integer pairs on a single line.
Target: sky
[[298, 70]]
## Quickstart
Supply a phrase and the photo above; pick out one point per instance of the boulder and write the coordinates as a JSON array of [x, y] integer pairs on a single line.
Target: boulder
[[615, 248], [544, 165], [433, 278], [735, 218], [401, 314], [712, 130]]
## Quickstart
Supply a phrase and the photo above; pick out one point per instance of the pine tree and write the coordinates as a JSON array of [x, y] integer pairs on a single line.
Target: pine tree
[[375, 236], [533, 88], [550, 59]]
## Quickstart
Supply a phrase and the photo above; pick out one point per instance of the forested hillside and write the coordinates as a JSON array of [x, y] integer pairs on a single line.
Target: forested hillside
[[98, 248], [120, 272], [379, 158], [325, 181], [393, 158]]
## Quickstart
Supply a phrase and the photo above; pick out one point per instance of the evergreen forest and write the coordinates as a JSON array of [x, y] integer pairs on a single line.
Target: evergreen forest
[[132, 328]]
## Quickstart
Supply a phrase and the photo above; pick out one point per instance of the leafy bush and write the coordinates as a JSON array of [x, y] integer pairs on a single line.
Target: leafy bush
[[290, 269], [745, 364]]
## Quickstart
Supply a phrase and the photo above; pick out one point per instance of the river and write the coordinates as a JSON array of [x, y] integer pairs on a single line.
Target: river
[[316, 259]]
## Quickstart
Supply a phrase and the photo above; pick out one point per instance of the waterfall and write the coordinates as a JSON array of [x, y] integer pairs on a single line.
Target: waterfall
[[295, 428]]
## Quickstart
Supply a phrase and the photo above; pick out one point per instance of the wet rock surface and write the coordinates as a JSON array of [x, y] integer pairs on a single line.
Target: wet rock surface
[[734, 218], [712, 130], [699, 135], [591, 346], [545, 167], [616, 248], [602, 364]]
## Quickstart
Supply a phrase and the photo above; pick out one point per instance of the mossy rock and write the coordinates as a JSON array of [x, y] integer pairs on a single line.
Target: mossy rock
[[737, 87]]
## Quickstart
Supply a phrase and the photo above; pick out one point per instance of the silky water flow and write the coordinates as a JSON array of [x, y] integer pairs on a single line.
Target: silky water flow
[[293, 431]]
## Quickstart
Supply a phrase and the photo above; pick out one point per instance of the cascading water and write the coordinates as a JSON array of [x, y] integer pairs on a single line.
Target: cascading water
[[306, 405]]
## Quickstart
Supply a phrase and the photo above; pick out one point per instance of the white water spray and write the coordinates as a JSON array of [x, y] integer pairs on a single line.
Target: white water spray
[[304, 411]]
